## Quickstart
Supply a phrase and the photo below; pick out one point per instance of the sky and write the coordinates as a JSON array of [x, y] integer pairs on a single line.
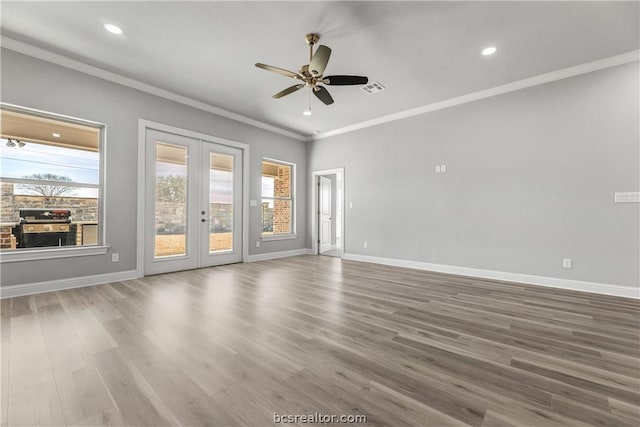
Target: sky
[[79, 165]]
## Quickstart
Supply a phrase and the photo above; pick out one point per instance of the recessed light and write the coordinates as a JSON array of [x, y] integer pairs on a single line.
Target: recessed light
[[55, 135], [112, 28], [307, 112], [315, 132], [489, 50]]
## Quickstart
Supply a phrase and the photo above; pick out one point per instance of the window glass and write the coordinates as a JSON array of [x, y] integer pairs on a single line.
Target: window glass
[[277, 202], [49, 182]]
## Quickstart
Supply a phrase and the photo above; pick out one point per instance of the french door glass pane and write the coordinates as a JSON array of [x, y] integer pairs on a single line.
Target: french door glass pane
[[220, 202], [171, 200]]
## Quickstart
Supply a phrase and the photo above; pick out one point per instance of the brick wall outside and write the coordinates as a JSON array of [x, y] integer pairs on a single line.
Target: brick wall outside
[[6, 238], [282, 208], [82, 209], [170, 217]]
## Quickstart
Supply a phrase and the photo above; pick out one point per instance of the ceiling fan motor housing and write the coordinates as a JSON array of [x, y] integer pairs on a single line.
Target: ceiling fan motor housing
[[311, 39]]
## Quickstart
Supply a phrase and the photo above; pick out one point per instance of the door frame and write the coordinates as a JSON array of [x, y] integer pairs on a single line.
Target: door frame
[[143, 126], [339, 172]]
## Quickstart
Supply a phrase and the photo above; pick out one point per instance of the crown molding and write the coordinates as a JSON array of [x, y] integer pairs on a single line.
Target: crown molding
[[540, 79], [65, 61]]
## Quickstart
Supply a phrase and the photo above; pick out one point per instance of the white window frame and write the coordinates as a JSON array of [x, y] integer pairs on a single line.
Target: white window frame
[[282, 236], [32, 254]]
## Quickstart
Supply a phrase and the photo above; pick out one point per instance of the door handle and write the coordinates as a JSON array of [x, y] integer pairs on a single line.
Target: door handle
[[203, 220], [203, 212]]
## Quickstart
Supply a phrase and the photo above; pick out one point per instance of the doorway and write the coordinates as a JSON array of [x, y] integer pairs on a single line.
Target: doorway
[[193, 203], [328, 220]]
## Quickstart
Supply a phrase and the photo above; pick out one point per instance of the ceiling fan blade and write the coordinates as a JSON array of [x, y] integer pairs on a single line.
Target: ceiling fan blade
[[345, 80], [280, 71], [323, 95], [288, 90], [319, 61]]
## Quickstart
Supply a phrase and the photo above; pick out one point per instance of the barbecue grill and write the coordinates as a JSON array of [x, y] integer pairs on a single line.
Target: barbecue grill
[[45, 227]]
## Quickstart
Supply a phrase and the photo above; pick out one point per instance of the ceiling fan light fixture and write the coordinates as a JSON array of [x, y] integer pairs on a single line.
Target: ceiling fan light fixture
[[489, 50], [113, 28]]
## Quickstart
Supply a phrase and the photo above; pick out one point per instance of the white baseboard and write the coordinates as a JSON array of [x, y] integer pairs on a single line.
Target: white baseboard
[[276, 255], [553, 282], [58, 285]]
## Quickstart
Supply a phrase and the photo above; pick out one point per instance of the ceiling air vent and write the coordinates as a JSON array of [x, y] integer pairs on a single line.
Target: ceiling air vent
[[372, 88]]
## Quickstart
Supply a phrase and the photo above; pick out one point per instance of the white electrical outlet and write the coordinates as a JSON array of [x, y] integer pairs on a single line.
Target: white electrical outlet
[[437, 168], [443, 168], [258, 244], [566, 263], [366, 245], [115, 257]]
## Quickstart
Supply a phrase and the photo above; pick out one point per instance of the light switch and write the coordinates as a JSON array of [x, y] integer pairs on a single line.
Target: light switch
[[253, 203], [350, 205], [437, 168], [443, 168]]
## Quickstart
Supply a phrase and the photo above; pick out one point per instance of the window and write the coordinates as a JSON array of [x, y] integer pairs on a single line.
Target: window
[[50, 181], [278, 186]]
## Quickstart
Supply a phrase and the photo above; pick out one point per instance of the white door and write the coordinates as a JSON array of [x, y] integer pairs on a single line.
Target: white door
[[193, 203], [324, 208]]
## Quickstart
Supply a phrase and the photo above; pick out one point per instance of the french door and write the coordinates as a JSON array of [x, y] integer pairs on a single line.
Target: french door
[[193, 203]]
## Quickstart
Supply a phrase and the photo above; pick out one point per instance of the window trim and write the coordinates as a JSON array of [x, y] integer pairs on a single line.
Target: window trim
[[49, 253], [281, 236], [32, 254]]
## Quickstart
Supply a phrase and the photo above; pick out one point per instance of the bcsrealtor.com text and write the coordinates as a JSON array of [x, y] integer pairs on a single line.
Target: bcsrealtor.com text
[[318, 418]]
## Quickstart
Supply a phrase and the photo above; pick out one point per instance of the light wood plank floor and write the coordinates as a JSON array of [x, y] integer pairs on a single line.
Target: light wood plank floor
[[232, 345]]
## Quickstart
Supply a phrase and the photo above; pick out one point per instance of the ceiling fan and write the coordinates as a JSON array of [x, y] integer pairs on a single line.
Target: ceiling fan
[[312, 73]]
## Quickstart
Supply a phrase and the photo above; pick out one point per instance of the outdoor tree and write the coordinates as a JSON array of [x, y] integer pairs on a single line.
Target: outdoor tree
[[171, 188], [46, 188]]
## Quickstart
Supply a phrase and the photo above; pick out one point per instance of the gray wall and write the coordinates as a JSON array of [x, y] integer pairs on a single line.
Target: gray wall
[[37, 84], [530, 180]]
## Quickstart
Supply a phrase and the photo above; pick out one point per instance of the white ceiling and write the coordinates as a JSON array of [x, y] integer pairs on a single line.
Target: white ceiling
[[422, 52]]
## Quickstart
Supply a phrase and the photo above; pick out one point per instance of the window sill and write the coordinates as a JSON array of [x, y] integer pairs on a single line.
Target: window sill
[[272, 237], [33, 255]]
